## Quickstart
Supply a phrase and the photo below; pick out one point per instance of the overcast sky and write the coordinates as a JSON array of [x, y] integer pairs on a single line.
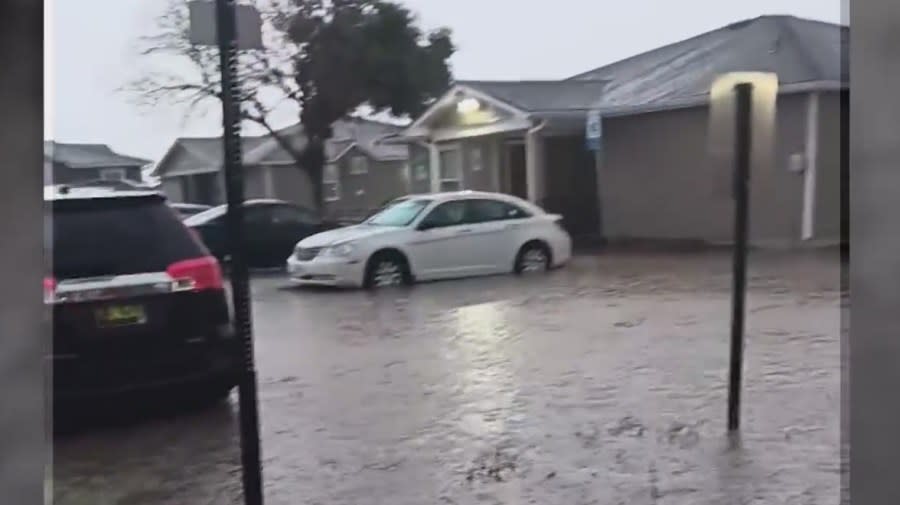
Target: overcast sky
[[91, 51]]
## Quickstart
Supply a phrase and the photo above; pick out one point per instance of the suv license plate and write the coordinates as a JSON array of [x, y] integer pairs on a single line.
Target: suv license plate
[[121, 315]]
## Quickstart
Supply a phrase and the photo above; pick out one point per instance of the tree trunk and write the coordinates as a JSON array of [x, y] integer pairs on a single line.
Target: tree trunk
[[311, 160], [314, 165]]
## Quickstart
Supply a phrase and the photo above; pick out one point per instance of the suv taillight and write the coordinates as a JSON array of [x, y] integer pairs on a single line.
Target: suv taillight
[[198, 274]]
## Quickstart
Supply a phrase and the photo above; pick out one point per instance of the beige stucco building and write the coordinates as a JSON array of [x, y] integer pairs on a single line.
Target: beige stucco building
[[655, 176]]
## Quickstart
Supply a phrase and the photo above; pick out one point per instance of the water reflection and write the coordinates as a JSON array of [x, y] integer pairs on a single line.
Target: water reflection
[[481, 351]]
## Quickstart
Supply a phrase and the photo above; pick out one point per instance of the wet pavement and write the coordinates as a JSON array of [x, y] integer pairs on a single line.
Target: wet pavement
[[603, 383]]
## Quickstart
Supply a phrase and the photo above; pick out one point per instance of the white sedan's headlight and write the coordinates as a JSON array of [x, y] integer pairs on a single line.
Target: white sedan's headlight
[[342, 250]]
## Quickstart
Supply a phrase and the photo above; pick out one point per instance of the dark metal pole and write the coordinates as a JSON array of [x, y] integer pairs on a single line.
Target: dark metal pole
[[240, 283], [742, 144]]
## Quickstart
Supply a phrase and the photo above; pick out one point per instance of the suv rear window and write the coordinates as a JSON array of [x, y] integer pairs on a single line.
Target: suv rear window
[[117, 236]]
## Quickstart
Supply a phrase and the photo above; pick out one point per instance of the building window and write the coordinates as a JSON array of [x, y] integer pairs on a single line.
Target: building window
[[331, 183], [359, 165], [451, 169], [112, 174], [475, 159], [421, 172]]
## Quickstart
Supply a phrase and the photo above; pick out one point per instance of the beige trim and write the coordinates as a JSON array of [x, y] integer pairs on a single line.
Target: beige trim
[[464, 132], [493, 101], [810, 172], [434, 167], [450, 97], [534, 168]]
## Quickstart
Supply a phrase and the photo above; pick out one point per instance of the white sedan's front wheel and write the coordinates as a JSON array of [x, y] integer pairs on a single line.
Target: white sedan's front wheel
[[387, 269]]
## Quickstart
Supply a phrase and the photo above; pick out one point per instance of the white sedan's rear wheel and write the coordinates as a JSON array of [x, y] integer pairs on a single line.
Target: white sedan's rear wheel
[[533, 257]]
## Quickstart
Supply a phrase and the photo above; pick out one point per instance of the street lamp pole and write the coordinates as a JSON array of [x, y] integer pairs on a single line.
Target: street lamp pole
[[742, 147], [234, 189]]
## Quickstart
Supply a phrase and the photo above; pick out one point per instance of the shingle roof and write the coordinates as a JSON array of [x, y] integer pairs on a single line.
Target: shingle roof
[[366, 134], [203, 153], [88, 155], [206, 153], [798, 50], [542, 96]]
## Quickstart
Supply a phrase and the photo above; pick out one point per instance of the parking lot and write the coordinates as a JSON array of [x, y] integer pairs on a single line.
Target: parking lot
[[603, 383]]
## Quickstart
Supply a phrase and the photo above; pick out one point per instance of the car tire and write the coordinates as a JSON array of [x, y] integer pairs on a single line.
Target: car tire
[[214, 394], [533, 257], [387, 269]]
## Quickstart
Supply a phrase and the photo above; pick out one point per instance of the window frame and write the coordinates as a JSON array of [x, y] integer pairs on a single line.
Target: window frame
[[420, 172], [122, 173], [479, 150], [333, 181], [356, 161], [460, 178]]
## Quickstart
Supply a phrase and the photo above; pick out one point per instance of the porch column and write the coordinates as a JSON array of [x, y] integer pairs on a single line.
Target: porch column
[[434, 162], [534, 165], [809, 174]]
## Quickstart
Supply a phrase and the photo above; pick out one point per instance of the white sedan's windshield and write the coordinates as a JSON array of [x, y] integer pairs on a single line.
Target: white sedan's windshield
[[400, 214]]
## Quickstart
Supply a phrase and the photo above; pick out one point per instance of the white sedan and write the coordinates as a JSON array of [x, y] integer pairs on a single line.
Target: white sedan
[[431, 237]]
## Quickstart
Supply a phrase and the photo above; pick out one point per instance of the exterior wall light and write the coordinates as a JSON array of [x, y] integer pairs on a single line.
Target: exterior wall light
[[468, 106]]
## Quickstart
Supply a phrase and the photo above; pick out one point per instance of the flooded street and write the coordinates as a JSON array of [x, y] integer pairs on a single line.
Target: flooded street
[[603, 383]]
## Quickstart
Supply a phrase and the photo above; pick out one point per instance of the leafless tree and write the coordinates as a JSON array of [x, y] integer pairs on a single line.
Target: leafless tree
[[188, 75], [327, 58]]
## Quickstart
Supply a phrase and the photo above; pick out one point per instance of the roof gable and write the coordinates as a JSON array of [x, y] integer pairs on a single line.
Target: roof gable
[[365, 132], [89, 155], [205, 154], [798, 50]]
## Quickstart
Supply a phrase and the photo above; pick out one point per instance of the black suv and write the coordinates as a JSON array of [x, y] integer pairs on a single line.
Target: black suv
[[138, 303]]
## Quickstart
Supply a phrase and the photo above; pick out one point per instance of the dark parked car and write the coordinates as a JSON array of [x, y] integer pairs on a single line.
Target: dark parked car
[[273, 228], [186, 210], [138, 303]]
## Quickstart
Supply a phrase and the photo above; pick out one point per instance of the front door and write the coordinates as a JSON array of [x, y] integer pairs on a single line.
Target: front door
[[515, 168]]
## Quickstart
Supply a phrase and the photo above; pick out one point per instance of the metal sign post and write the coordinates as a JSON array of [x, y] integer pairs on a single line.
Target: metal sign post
[[222, 19], [743, 135], [741, 131]]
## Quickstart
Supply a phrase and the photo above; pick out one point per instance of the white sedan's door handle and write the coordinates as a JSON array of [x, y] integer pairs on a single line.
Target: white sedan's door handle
[[464, 230]]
